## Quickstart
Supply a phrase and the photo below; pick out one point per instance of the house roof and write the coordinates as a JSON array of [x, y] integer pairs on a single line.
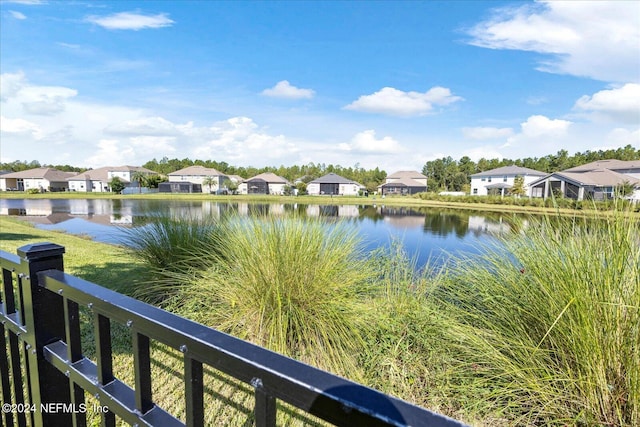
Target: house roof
[[598, 178], [50, 174], [332, 178], [611, 164], [406, 174], [196, 171], [269, 177], [235, 178], [406, 182], [102, 174], [510, 170]]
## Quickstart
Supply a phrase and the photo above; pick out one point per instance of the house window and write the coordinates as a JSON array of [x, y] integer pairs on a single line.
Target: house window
[[504, 179], [489, 179], [475, 191], [483, 179]]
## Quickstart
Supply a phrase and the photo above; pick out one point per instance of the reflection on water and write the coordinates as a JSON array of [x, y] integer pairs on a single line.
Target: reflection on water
[[426, 232]]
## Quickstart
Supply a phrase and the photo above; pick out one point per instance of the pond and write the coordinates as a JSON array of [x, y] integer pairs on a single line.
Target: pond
[[426, 233]]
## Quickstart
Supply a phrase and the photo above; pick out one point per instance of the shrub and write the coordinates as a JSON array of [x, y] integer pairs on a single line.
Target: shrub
[[293, 285]]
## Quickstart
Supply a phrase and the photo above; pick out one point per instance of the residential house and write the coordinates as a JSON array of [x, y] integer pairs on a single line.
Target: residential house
[[41, 179], [404, 182], [499, 181], [596, 180], [194, 179], [265, 183], [98, 180], [335, 185]]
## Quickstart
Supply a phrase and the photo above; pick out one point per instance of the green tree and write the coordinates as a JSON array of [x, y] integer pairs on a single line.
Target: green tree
[[116, 185], [154, 180], [140, 178], [209, 181], [302, 188], [518, 186], [623, 190], [231, 186]]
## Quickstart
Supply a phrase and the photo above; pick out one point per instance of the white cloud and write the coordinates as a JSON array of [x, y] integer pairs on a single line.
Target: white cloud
[[18, 15], [111, 152], [621, 137], [486, 132], [131, 21], [241, 140], [144, 126], [622, 104], [395, 102], [19, 126], [10, 84], [39, 100], [69, 45], [597, 39], [538, 134], [537, 100], [541, 126], [284, 89], [366, 142]]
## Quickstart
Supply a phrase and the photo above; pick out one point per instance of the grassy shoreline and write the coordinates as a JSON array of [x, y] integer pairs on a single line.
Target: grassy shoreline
[[396, 201]]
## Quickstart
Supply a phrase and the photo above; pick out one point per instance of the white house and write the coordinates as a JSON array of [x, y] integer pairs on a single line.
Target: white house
[[97, 180], [195, 179], [265, 183], [41, 179], [501, 180], [404, 182], [335, 185]]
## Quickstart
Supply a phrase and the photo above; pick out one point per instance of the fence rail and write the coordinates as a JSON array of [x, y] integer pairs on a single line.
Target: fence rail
[[43, 367]]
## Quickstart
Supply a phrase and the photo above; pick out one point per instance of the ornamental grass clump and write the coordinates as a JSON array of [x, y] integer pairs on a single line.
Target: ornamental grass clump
[[547, 325], [171, 245], [291, 284]]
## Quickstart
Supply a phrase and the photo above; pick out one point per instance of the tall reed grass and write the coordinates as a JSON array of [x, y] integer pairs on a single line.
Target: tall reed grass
[[293, 285], [547, 325], [171, 245], [403, 354]]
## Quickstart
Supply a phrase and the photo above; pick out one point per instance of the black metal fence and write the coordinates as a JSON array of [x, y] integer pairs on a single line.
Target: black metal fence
[[46, 376]]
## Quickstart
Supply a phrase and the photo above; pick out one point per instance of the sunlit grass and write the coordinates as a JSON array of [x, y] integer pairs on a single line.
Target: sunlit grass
[[171, 244], [547, 326], [289, 284]]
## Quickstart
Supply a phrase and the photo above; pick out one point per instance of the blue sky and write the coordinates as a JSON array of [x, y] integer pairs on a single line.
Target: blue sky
[[378, 84]]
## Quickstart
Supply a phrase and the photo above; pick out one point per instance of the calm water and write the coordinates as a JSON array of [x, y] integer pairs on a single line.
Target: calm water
[[425, 232]]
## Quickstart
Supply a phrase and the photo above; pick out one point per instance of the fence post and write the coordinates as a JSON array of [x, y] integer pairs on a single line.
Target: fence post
[[44, 321]]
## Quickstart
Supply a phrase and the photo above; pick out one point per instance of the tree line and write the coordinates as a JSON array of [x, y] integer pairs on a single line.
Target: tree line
[[445, 174]]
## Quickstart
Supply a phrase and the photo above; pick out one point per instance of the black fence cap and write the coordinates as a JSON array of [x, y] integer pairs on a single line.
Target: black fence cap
[[40, 250]]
